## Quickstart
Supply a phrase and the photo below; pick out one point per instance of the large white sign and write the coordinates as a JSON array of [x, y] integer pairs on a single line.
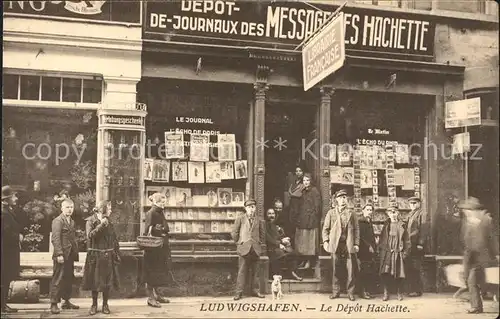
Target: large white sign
[[463, 113], [324, 53]]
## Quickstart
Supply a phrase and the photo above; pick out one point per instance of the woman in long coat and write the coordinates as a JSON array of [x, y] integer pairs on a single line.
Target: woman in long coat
[[103, 257], [157, 260], [394, 246], [295, 202], [307, 222]]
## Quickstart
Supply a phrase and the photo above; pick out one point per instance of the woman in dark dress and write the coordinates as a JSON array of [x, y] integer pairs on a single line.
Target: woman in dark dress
[[157, 260], [307, 223], [394, 246], [103, 257], [295, 201]]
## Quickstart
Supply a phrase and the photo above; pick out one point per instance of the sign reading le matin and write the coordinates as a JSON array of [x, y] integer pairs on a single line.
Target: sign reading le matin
[[324, 53]]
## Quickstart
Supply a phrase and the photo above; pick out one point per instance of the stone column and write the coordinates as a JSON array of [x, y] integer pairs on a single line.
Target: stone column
[[324, 140], [260, 145]]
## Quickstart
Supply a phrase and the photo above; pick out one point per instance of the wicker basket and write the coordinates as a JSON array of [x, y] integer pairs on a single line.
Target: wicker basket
[[149, 241]]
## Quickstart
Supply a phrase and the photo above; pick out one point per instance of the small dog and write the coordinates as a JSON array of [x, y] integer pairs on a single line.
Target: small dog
[[276, 287]]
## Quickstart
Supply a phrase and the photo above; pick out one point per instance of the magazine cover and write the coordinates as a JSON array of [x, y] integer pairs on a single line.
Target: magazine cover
[[227, 147], [161, 170], [212, 172], [174, 145], [199, 148], [196, 172], [179, 171], [148, 169], [240, 169], [224, 195], [226, 170]]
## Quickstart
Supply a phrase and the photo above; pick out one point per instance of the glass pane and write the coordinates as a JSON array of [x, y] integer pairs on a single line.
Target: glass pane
[[389, 3], [72, 90], [10, 86], [51, 88], [462, 6], [92, 91], [30, 87], [422, 4]]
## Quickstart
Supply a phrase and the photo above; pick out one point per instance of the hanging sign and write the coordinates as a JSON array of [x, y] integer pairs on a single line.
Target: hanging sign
[[324, 53], [463, 113]]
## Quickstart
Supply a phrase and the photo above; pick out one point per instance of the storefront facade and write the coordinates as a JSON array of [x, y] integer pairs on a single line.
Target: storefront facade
[[64, 65], [200, 60]]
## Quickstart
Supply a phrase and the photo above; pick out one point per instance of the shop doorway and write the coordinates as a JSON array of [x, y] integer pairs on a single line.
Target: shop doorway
[[287, 127]]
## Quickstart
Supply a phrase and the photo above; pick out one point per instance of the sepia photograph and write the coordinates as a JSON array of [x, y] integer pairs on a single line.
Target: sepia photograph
[[250, 159]]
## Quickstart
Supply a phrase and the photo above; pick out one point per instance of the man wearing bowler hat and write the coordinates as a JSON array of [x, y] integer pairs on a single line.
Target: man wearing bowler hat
[[11, 252], [248, 234], [418, 231], [341, 238], [480, 249]]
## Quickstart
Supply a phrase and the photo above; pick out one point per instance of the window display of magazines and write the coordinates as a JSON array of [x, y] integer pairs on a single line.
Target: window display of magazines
[[387, 175], [203, 198]]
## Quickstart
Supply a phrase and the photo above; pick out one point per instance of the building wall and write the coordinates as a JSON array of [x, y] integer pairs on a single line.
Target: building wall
[[112, 52]]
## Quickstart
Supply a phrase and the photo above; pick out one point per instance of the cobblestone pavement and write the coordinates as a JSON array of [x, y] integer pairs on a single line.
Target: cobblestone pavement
[[291, 306]]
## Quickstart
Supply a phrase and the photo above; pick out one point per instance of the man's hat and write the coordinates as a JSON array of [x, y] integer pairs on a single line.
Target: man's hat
[[249, 202], [368, 203], [414, 199], [7, 192], [341, 192], [391, 209], [470, 203]]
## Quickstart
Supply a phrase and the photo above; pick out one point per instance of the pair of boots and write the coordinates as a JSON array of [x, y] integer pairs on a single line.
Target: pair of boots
[[155, 299], [105, 307], [386, 292], [54, 309]]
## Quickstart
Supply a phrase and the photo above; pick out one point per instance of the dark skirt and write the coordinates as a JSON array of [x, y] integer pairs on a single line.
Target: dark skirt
[[391, 261], [157, 265], [101, 271]]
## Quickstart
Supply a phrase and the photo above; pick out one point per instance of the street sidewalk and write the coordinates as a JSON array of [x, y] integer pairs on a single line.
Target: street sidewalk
[[306, 305]]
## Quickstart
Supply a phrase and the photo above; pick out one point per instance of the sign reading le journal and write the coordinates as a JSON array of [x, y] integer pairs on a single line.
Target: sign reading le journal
[[324, 53]]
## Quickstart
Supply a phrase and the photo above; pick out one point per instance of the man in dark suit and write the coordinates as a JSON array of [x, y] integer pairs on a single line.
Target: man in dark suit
[[64, 256], [341, 239], [480, 249], [417, 230], [366, 254], [248, 234], [11, 237]]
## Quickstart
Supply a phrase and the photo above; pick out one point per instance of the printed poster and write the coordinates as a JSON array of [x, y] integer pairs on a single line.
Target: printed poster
[[174, 145], [402, 153], [226, 170], [212, 172], [179, 171], [148, 169], [196, 172], [199, 148], [240, 169], [336, 174], [224, 196], [183, 197], [161, 170], [332, 153], [345, 154], [212, 197], [227, 147], [348, 176], [238, 199], [366, 179]]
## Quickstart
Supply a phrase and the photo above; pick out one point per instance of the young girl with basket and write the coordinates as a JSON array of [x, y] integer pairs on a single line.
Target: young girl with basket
[[157, 258], [394, 246], [103, 257]]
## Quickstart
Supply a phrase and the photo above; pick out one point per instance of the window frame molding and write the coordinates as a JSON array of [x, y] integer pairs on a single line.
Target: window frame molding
[[53, 104]]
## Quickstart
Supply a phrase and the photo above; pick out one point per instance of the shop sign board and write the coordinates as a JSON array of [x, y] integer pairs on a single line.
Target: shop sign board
[[324, 53], [461, 143], [285, 24], [463, 113], [122, 120], [97, 11]]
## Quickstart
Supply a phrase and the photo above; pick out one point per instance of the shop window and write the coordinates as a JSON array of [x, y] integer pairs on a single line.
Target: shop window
[[470, 6], [30, 87], [386, 3], [51, 88], [92, 91], [204, 174], [72, 90], [420, 4], [43, 178], [10, 86]]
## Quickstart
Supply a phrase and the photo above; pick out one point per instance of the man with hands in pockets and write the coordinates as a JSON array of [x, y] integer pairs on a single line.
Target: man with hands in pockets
[[64, 256]]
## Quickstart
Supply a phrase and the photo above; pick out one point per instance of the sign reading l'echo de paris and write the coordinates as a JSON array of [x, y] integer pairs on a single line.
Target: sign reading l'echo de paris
[[285, 24], [104, 10]]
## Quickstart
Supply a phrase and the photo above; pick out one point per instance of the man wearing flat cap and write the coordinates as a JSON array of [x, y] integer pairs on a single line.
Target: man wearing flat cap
[[480, 248], [249, 233], [341, 238], [11, 230], [418, 231]]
